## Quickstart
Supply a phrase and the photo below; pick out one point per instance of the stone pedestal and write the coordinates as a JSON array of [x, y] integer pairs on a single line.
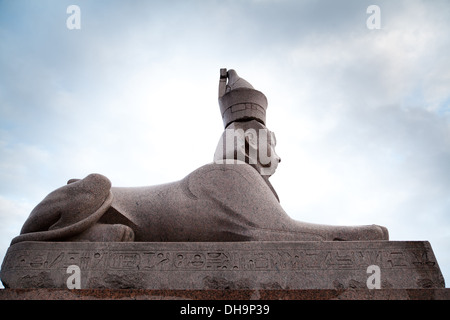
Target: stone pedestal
[[225, 295], [221, 265]]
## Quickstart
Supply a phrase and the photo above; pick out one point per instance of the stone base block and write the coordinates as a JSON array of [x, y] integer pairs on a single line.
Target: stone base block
[[222, 265], [223, 295]]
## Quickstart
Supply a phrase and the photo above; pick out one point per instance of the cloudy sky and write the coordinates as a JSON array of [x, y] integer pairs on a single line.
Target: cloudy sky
[[362, 116]]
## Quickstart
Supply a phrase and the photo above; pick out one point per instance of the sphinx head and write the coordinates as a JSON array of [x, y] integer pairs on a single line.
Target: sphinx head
[[248, 142]]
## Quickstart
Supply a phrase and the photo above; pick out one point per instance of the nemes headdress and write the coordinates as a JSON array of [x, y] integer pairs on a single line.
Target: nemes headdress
[[238, 100]]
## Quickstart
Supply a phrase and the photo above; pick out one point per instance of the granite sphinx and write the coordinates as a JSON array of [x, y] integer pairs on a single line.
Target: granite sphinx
[[230, 199], [220, 227]]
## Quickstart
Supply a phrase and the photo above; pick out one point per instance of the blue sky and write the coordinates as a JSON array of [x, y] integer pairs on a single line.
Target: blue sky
[[362, 117]]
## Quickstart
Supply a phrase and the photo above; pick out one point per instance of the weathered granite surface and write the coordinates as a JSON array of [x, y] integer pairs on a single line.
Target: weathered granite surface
[[222, 265], [144, 294]]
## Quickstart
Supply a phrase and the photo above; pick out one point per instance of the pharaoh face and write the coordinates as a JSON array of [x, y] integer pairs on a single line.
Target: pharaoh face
[[261, 151], [269, 167], [249, 142]]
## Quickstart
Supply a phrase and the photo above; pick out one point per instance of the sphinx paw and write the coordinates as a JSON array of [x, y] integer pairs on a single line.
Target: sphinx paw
[[105, 233]]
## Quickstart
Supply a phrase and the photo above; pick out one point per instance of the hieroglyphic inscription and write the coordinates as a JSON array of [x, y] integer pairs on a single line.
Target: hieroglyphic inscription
[[301, 265], [265, 260]]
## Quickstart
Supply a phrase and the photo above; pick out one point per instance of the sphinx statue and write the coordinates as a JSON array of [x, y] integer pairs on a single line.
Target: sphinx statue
[[230, 199]]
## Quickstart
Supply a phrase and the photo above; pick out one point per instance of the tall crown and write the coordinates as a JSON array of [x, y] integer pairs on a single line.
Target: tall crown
[[238, 100]]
